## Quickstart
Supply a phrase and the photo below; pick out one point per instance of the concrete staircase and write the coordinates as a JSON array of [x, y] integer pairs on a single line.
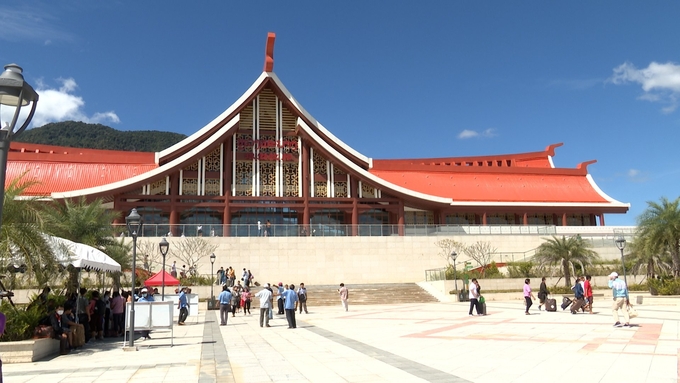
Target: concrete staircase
[[367, 294]]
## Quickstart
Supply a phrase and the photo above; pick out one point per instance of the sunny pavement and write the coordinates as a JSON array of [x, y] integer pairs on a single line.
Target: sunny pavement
[[432, 342]]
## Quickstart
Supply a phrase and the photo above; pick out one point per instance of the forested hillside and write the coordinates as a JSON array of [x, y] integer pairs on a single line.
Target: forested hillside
[[96, 136]]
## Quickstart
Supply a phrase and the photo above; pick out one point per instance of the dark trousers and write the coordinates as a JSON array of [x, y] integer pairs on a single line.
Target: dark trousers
[[224, 313], [82, 319], [183, 314], [264, 317], [280, 304], [118, 323], [529, 303], [303, 305], [474, 302], [290, 317]]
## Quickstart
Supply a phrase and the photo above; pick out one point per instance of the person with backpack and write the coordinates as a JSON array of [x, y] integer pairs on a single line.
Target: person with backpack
[[97, 308], [302, 298]]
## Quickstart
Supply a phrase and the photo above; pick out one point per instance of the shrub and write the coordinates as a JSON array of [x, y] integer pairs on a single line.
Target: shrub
[[21, 321], [196, 280], [521, 270], [638, 287], [665, 286], [492, 271]]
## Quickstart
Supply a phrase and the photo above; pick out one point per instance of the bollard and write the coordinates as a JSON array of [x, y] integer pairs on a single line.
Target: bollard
[[639, 299]]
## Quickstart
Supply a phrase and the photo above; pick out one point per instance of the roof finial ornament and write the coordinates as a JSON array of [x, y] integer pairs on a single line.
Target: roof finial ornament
[[269, 52]]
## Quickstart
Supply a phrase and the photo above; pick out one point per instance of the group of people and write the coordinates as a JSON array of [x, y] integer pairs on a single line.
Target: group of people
[[228, 277], [288, 299], [583, 297]]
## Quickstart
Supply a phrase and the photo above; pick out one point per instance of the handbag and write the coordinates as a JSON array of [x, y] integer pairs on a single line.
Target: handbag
[[481, 299], [632, 313]]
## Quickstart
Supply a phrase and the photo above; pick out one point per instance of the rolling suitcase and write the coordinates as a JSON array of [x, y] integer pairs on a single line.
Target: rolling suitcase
[[578, 304], [550, 305], [566, 302]]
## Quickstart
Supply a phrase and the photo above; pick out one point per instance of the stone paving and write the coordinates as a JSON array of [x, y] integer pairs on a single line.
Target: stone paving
[[430, 342]]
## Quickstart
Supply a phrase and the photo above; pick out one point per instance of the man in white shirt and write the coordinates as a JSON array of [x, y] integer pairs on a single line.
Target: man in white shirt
[[265, 296], [474, 297]]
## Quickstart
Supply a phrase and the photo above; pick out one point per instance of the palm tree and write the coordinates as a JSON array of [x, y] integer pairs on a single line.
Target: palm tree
[[565, 252], [21, 237], [83, 222], [649, 257], [659, 224]]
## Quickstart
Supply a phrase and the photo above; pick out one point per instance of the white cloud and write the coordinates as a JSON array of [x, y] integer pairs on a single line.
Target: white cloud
[[635, 175], [467, 133], [633, 172], [60, 104], [660, 82]]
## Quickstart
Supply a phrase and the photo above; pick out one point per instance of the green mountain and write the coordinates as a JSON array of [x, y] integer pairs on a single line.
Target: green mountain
[[77, 134]]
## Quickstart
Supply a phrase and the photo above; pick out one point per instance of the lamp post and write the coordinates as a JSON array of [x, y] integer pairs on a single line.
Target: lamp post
[[620, 242], [163, 246], [14, 92], [134, 225], [212, 269], [454, 255]]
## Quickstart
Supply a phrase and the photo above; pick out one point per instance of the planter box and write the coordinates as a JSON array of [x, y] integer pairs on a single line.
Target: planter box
[[27, 351]]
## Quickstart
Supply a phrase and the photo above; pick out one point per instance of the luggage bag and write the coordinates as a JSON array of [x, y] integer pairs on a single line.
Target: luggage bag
[[577, 305], [566, 302], [550, 305]]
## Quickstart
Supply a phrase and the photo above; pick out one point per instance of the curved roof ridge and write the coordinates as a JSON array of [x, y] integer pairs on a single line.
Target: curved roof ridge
[[206, 129], [364, 173], [603, 194], [316, 123], [177, 162]]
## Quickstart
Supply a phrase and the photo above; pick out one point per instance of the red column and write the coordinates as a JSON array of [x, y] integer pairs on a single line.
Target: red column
[[305, 185], [525, 219], [354, 193], [602, 219], [227, 161], [400, 220], [564, 219], [484, 219]]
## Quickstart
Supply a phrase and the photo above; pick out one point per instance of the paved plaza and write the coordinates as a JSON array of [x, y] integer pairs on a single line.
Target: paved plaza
[[432, 342]]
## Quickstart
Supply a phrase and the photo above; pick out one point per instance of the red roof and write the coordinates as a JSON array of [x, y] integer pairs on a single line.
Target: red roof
[[59, 169]]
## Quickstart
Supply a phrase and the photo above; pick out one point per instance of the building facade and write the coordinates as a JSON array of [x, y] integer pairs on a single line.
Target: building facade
[[266, 165]]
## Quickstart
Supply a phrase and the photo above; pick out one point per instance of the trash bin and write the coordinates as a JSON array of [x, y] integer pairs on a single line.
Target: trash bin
[[464, 296], [639, 299]]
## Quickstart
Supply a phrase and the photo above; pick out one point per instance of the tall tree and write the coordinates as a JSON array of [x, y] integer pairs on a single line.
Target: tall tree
[[83, 222], [565, 252], [649, 257], [659, 224], [21, 239]]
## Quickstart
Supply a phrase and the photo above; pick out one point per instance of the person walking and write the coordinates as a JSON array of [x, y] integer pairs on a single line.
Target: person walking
[[588, 292], [279, 299], [542, 293], [225, 305], [183, 306], [245, 300], [344, 296], [173, 269], [302, 298], [578, 296], [528, 295], [474, 297], [620, 293], [265, 296], [290, 297]]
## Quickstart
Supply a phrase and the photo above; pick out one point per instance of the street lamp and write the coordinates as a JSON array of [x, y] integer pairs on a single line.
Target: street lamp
[[163, 246], [620, 242], [134, 225], [454, 255], [212, 268], [14, 92]]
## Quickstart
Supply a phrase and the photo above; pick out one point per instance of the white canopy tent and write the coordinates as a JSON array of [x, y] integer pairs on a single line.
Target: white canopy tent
[[81, 256]]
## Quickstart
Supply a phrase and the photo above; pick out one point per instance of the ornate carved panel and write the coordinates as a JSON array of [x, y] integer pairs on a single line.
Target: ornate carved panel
[[290, 179], [243, 178], [193, 166], [289, 120], [158, 187], [320, 164], [212, 186], [320, 189], [367, 191], [189, 186], [212, 160], [340, 188], [268, 179]]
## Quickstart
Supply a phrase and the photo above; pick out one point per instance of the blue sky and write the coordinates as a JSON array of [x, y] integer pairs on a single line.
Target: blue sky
[[391, 79]]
